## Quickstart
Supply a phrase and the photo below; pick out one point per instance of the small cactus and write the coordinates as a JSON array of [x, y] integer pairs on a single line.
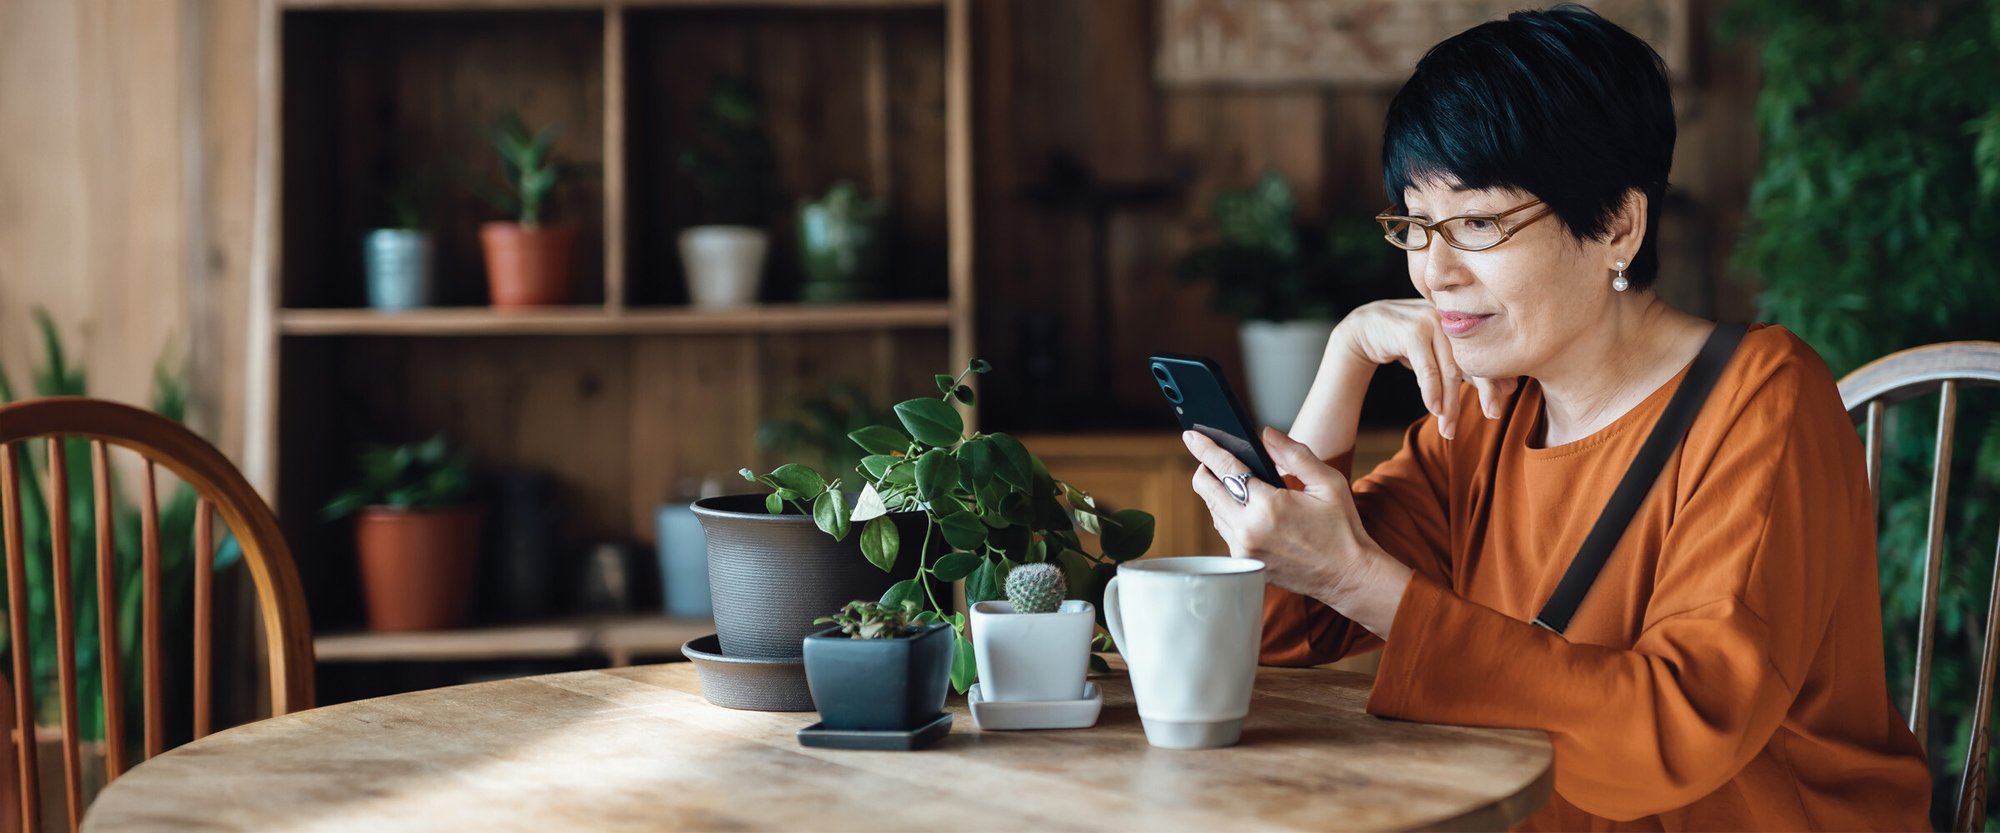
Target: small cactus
[[1036, 588]]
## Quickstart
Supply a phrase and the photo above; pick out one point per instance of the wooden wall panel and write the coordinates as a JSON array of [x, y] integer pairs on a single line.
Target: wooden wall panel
[[93, 217]]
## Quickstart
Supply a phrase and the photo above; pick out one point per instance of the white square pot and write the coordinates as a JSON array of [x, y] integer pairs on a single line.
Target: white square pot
[[1032, 657]]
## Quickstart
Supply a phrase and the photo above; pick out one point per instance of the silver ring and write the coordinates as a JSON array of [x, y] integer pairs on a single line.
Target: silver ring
[[1238, 486]]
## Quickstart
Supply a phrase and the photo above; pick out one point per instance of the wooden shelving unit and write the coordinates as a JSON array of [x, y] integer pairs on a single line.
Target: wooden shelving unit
[[630, 391], [618, 641]]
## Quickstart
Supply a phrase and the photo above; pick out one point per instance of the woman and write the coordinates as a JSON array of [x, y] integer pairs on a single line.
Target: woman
[[1725, 670]]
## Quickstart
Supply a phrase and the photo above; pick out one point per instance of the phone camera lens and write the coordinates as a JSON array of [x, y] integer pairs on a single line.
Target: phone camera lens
[[1173, 393], [1160, 373]]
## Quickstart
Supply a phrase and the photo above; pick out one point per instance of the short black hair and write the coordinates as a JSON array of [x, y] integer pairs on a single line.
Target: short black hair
[[1561, 103]]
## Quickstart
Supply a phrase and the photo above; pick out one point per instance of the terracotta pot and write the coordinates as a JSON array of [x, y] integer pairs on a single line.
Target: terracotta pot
[[528, 266], [417, 566]]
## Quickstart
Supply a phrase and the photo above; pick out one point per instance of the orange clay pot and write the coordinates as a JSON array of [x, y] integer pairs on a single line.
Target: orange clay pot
[[528, 266], [417, 566]]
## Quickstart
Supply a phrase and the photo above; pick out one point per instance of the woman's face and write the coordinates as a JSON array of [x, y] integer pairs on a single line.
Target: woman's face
[[1510, 309]]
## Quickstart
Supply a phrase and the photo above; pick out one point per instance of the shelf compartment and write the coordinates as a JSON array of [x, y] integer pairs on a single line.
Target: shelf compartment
[[486, 321]]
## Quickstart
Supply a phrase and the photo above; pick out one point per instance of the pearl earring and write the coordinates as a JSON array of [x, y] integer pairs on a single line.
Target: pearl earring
[[1620, 283]]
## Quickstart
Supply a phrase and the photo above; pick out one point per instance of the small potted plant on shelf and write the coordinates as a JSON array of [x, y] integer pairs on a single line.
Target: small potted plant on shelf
[[417, 533], [993, 507], [1035, 646], [1287, 284], [398, 257], [729, 159], [841, 245], [529, 262], [881, 668]]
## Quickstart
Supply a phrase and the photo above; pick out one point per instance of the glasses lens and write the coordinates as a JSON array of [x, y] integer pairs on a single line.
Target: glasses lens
[[1474, 232], [1404, 233]]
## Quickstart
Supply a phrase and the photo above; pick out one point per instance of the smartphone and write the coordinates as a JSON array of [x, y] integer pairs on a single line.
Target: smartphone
[[1201, 398]]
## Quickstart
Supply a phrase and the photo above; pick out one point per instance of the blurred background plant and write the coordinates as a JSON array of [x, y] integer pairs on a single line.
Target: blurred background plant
[[729, 157], [1270, 267], [819, 429], [57, 377], [1875, 227]]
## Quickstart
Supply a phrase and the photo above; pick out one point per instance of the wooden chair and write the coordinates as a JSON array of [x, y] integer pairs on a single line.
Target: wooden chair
[[1941, 368], [220, 488]]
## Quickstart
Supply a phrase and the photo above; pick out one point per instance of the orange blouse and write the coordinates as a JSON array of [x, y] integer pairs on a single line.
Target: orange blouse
[[1726, 669]]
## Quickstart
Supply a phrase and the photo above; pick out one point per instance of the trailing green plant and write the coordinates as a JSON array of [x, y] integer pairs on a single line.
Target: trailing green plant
[[994, 505], [1036, 588], [57, 377], [728, 155], [527, 168], [407, 202], [863, 619], [821, 426], [1875, 221], [1269, 267], [424, 475]]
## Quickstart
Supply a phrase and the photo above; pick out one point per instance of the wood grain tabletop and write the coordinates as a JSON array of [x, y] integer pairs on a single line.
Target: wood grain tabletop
[[639, 749]]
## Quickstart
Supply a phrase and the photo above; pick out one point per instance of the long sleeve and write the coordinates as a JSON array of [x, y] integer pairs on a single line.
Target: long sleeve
[[1402, 504], [1760, 549]]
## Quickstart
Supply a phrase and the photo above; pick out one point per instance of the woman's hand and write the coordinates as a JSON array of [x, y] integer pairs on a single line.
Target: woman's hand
[[1406, 331], [1310, 540]]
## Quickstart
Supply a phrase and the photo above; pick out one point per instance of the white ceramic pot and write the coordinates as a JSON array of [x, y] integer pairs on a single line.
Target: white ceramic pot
[[1032, 657], [724, 264], [1280, 358]]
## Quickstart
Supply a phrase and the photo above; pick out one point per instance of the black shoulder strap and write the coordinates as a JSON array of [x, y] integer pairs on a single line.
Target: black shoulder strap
[[1639, 479]]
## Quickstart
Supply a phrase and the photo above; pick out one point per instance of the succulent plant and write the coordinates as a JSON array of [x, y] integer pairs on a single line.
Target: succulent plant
[[1036, 588], [863, 619]]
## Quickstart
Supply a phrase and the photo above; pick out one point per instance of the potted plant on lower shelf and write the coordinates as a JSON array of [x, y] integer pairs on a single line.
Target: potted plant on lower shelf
[[529, 262], [881, 670], [416, 531], [1033, 652], [398, 257]]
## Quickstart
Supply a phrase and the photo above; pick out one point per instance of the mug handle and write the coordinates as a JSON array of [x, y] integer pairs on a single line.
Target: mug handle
[[1111, 619]]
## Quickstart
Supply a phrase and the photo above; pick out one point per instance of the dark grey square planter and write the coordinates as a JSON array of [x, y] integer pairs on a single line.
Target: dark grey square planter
[[879, 685]]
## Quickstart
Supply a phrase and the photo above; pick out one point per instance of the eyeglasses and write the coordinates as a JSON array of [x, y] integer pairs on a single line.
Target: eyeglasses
[[1465, 232]]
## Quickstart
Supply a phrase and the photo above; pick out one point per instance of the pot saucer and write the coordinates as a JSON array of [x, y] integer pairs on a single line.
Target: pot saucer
[[917, 738], [990, 715], [768, 685]]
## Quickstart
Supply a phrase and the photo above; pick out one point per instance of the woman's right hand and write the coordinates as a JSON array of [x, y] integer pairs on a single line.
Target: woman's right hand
[[1407, 331]]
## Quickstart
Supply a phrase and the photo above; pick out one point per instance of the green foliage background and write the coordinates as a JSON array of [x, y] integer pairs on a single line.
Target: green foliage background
[[57, 377], [1876, 227]]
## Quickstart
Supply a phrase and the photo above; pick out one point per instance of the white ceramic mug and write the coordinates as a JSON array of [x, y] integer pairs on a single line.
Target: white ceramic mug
[[1189, 630]]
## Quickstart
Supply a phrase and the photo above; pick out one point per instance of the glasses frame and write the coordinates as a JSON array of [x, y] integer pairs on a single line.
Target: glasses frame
[[1435, 228]]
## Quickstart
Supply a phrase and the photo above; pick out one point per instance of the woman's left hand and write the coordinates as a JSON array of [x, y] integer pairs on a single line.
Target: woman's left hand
[[1310, 539]]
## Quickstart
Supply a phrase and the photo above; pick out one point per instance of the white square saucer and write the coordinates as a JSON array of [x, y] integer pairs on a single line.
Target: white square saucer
[[1044, 714]]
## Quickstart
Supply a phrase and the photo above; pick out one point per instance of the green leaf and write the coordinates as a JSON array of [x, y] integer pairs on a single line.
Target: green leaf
[[964, 667], [963, 530], [830, 514], [955, 566], [932, 422], [1038, 551], [964, 394], [774, 504], [880, 542], [937, 473], [1086, 520], [1128, 533], [869, 506], [880, 439], [1076, 571], [980, 366], [944, 382], [984, 585], [877, 465], [800, 479], [976, 460], [1012, 462], [1098, 665], [908, 589]]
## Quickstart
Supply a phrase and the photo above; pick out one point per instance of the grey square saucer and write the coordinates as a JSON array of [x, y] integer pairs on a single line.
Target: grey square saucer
[[917, 738]]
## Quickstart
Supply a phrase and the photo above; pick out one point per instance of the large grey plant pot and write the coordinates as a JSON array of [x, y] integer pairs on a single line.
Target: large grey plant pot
[[771, 575]]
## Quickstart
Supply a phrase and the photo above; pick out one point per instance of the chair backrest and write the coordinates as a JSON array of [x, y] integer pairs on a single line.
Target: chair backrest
[[219, 487], [1944, 369]]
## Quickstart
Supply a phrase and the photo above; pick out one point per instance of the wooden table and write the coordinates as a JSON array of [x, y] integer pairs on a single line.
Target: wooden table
[[638, 749]]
